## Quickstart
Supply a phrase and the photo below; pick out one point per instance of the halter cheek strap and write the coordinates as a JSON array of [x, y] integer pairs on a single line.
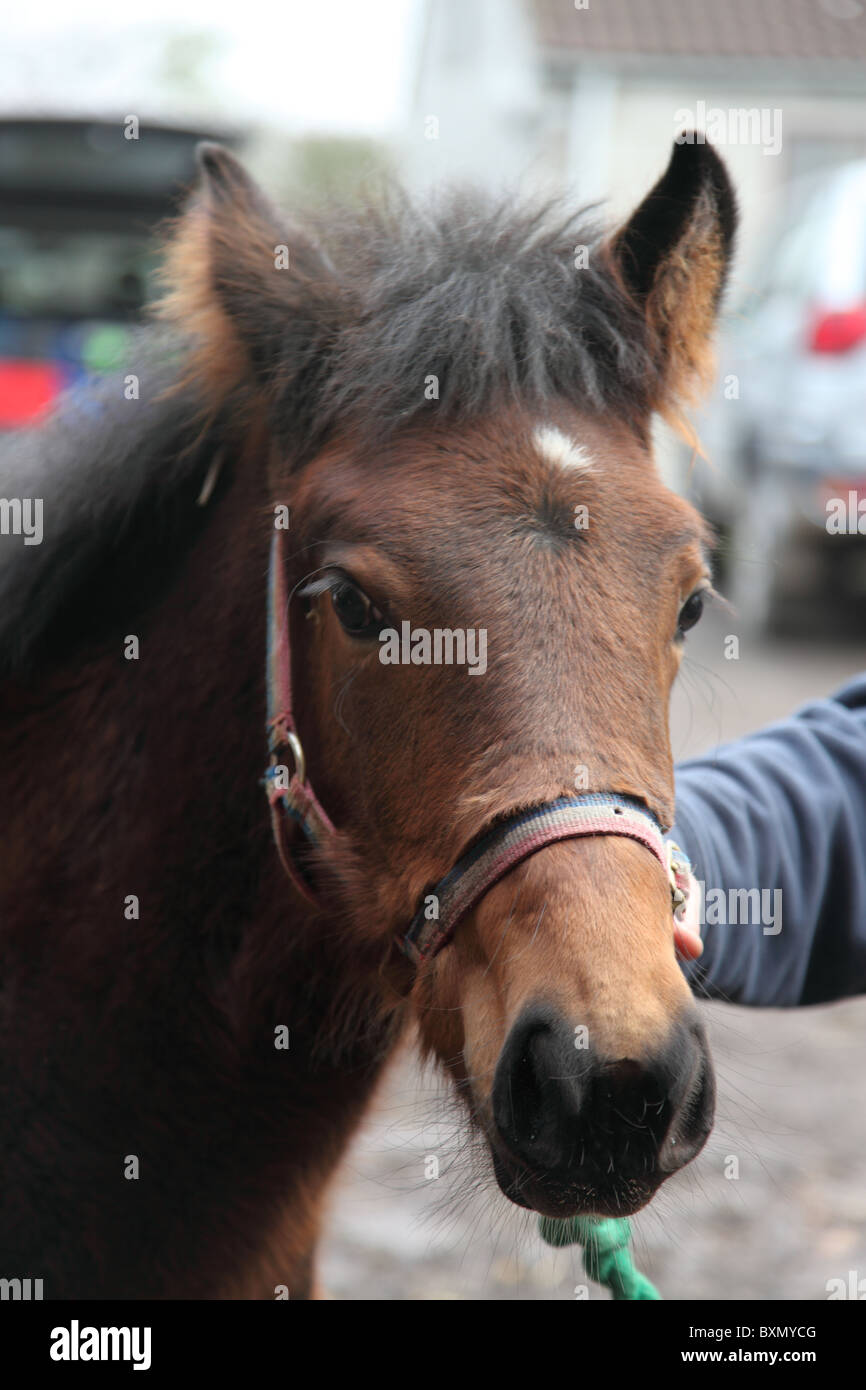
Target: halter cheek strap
[[290, 796], [292, 799]]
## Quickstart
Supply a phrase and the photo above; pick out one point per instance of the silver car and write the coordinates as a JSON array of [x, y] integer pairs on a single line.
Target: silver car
[[787, 435]]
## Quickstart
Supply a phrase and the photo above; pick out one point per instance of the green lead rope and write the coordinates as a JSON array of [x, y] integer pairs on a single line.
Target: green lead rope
[[606, 1254]]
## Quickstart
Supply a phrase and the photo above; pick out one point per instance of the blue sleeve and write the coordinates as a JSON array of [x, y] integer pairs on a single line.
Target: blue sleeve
[[775, 827]]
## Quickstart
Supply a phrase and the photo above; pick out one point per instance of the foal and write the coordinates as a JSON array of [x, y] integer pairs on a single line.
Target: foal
[[444, 416]]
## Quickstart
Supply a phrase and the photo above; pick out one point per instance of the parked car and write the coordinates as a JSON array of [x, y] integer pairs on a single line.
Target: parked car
[[79, 204], [787, 433]]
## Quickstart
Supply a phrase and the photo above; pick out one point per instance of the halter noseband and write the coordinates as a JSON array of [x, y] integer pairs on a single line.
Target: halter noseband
[[291, 797]]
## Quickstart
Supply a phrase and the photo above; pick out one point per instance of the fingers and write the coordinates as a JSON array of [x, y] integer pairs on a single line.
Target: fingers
[[687, 931]]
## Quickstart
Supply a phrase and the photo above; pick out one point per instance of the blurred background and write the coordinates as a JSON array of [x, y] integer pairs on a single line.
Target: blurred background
[[99, 115]]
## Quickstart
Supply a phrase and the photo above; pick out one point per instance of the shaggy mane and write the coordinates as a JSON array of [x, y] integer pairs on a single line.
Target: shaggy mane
[[483, 295]]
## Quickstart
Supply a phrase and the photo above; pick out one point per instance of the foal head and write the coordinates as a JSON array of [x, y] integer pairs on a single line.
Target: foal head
[[460, 402]]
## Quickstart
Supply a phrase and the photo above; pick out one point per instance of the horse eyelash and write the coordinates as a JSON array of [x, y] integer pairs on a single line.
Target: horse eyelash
[[331, 579], [321, 585], [712, 595], [706, 591]]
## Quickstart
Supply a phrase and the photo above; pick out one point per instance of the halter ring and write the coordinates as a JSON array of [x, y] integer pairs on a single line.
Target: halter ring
[[294, 743], [281, 736]]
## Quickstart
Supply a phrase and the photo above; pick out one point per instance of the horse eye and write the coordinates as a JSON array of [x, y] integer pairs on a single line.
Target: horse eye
[[355, 612], [691, 611]]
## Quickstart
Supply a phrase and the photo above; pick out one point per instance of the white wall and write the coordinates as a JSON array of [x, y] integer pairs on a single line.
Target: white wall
[[477, 100]]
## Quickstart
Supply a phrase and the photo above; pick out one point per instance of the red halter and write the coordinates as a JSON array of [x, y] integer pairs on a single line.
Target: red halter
[[291, 797], [286, 785]]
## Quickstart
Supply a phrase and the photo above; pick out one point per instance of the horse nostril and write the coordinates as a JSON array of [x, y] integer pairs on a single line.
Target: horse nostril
[[691, 1122], [536, 1087]]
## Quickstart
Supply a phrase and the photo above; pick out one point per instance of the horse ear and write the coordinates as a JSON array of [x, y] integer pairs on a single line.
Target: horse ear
[[672, 257], [256, 297]]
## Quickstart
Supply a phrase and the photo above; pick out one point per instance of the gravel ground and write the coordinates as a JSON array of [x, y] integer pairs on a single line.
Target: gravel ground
[[792, 1111]]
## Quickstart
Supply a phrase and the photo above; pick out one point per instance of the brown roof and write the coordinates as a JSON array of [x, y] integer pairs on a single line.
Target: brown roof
[[722, 28]]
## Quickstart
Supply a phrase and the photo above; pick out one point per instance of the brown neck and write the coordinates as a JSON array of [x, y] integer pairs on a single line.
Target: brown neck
[[141, 778]]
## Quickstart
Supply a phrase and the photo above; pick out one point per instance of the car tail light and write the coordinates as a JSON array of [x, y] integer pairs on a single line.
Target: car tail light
[[26, 388], [838, 330]]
